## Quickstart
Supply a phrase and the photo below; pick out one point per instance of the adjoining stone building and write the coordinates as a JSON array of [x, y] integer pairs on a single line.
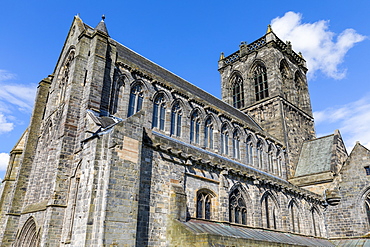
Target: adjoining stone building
[[121, 152]]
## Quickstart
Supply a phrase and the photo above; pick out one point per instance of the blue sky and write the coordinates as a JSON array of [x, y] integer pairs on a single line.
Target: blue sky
[[187, 37]]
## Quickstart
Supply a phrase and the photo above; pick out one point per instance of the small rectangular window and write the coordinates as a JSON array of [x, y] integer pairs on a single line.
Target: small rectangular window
[[367, 169]]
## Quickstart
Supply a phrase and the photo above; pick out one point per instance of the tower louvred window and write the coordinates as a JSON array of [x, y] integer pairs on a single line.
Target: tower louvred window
[[260, 83], [237, 92]]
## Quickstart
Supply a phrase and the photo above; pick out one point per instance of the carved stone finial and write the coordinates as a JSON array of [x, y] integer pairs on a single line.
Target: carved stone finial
[[269, 29], [222, 56], [300, 54], [103, 17]]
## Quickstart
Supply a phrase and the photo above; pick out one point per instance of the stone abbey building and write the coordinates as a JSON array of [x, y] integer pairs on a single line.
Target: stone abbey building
[[121, 152]]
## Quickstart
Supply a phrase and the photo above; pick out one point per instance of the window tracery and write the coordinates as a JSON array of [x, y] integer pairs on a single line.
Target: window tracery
[[136, 99], [204, 205], [237, 208], [64, 76]]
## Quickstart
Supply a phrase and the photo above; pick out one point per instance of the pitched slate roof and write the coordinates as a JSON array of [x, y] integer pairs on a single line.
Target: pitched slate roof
[[315, 156], [227, 230]]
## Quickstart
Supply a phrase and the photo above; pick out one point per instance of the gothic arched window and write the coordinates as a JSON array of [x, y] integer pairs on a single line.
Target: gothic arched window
[[315, 222], [208, 133], [294, 217], [260, 82], [224, 140], [367, 208], [237, 208], [176, 118], [64, 76], [238, 94], [249, 151], [194, 127], [136, 100], [269, 211], [204, 205], [159, 110], [28, 236], [236, 145], [260, 154]]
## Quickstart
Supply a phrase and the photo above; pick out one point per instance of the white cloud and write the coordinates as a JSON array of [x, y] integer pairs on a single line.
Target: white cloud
[[4, 159], [5, 126], [13, 98], [351, 119], [321, 48]]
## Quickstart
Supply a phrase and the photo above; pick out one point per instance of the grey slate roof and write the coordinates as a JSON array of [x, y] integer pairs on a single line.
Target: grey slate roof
[[227, 230], [315, 156]]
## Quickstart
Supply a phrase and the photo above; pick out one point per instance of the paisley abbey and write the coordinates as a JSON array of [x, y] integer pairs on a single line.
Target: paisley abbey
[[121, 152]]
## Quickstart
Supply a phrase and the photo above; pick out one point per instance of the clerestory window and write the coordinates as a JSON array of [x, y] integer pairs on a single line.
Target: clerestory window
[[224, 140], [236, 145], [260, 83], [194, 127], [159, 111], [176, 118], [208, 133], [136, 100]]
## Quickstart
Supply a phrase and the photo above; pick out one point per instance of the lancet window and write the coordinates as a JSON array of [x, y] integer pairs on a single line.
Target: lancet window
[[237, 208], [260, 82], [204, 205], [159, 111], [224, 140], [237, 89], [236, 145], [260, 154], [136, 99], [194, 127], [269, 212], [208, 133], [315, 222], [294, 217], [176, 119], [249, 151], [367, 208]]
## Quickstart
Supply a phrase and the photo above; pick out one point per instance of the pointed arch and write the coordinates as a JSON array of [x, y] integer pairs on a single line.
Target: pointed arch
[[176, 118], [259, 153], [249, 150], [294, 216], [259, 75], [208, 132], [316, 221], [64, 75], [136, 98], [270, 210], [225, 138], [29, 235], [236, 143], [195, 120], [159, 111], [117, 91], [239, 202], [204, 203]]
